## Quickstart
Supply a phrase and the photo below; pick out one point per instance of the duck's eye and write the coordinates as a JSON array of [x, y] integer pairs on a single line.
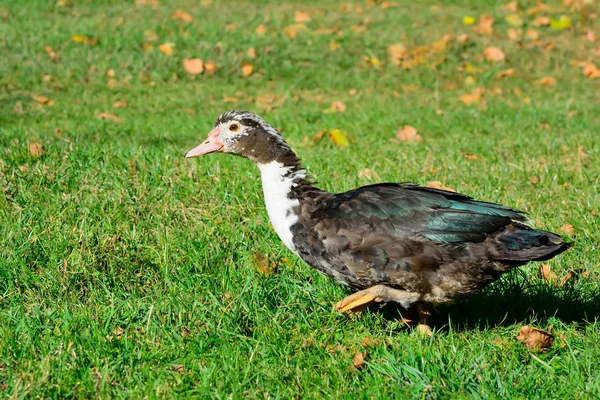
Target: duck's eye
[[234, 127]]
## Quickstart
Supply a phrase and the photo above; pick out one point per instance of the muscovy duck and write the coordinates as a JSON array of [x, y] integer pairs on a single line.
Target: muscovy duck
[[389, 242]]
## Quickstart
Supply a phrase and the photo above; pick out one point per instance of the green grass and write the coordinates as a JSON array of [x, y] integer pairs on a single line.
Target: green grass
[[127, 270]]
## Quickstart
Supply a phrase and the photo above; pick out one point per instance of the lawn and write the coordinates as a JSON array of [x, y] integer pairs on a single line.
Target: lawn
[[127, 270]]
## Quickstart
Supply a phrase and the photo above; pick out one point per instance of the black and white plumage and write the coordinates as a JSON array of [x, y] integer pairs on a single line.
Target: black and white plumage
[[389, 242]]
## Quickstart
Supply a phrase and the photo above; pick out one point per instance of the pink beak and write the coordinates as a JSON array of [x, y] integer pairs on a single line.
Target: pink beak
[[211, 144]]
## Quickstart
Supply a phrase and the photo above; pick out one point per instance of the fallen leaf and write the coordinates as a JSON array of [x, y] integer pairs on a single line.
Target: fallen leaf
[[514, 34], [333, 45], [485, 25], [336, 106], [291, 31], [541, 21], [544, 125], [462, 38], [51, 53], [572, 274], [261, 29], [514, 20], [36, 150], [87, 40], [408, 134], [150, 36], [591, 71], [397, 53], [166, 48], [230, 27], [547, 274], [247, 68], [178, 368], [301, 16], [180, 15], [339, 138], [262, 265], [590, 36], [473, 97], [358, 361], [493, 54], [546, 81], [43, 100], [120, 104], [535, 338], [210, 67], [147, 47], [534, 180], [439, 185], [251, 52], [563, 22], [470, 156], [567, 229], [468, 20], [506, 73], [513, 6], [532, 34], [109, 117], [368, 174], [193, 66]]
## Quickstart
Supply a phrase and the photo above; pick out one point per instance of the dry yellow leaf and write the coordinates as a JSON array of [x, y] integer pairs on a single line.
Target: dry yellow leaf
[[339, 138], [336, 106], [147, 47], [166, 48], [408, 134], [120, 104], [473, 97], [397, 53], [535, 338], [462, 38], [532, 34], [590, 36], [591, 71], [514, 20], [251, 52], [291, 31], [210, 67], [567, 229], [506, 73], [485, 25], [51, 53], [109, 117], [43, 100], [493, 54], [230, 27], [546, 81], [513, 6], [193, 66], [262, 265], [333, 45], [247, 68], [547, 274], [261, 29], [368, 173], [301, 16], [514, 34], [180, 15], [36, 150], [468, 20], [358, 361], [439, 185], [541, 21]]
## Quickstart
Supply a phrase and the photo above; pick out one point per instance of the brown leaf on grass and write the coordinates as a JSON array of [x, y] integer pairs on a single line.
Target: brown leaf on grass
[[514, 19], [166, 48], [120, 104], [180, 15], [493, 54], [462, 38], [513, 6], [572, 274], [506, 73], [547, 274], [535, 338], [261, 30], [473, 97], [439, 185], [51, 53], [43, 100], [178, 368], [230, 27], [591, 71], [534, 180], [590, 36], [193, 66], [408, 134], [514, 34], [251, 52], [147, 47], [291, 31], [333, 45], [470, 156], [541, 21], [546, 81], [210, 67], [36, 150], [301, 16], [336, 106], [485, 25], [532, 34], [247, 68], [567, 229], [87, 40], [109, 117], [544, 125], [358, 361], [397, 53], [262, 265], [368, 173]]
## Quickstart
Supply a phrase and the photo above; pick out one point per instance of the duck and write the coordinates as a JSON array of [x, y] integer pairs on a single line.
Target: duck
[[388, 242]]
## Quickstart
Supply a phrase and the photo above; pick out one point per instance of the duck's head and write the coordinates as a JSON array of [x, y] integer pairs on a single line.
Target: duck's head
[[244, 134]]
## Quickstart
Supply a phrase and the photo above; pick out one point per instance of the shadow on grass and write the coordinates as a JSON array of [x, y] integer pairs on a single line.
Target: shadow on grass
[[514, 300]]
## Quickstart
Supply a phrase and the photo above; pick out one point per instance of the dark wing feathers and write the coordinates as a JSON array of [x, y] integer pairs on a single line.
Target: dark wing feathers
[[406, 210]]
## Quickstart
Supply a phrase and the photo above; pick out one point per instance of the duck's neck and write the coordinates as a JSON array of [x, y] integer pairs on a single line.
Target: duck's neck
[[285, 185]]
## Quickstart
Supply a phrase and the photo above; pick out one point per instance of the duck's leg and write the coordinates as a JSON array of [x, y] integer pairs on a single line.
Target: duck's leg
[[376, 294], [425, 312]]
